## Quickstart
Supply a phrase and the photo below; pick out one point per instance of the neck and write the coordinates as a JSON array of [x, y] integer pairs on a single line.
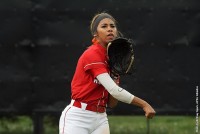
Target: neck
[[102, 43]]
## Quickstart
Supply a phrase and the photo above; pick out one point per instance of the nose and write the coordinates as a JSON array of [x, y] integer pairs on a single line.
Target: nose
[[110, 29]]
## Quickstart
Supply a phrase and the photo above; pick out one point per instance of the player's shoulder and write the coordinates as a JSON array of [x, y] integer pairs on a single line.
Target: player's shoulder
[[92, 53], [93, 49]]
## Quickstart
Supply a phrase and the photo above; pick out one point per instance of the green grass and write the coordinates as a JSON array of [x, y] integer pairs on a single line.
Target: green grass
[[16, 125], [118, 125], [158, 125]]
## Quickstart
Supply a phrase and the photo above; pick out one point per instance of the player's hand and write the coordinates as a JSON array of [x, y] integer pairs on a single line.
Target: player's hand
[[149, 111], [116, 81], [115, 77]]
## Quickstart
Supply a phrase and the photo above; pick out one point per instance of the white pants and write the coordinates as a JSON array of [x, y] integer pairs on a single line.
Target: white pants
[[75, 120]]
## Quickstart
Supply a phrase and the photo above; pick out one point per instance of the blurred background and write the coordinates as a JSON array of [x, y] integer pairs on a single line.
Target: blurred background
[[41, 41]]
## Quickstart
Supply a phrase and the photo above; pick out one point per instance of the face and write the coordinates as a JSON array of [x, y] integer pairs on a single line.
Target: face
[[106, 31]]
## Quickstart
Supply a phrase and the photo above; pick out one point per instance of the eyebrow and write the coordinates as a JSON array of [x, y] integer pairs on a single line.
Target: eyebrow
[[108, 24]]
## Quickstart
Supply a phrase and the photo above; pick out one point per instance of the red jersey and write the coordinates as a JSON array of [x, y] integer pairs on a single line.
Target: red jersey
[[85, 86]]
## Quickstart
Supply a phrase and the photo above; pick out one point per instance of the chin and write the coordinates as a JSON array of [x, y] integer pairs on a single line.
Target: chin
[[109, 40]]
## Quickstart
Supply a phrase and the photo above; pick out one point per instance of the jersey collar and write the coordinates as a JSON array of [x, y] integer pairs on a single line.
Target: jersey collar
[[102, 48]]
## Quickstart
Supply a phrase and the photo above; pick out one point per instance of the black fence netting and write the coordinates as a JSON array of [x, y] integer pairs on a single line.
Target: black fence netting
[[41, 41]]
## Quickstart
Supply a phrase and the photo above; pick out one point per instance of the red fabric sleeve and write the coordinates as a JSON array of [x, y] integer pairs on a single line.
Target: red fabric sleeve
[[93, 60], [98, 71]]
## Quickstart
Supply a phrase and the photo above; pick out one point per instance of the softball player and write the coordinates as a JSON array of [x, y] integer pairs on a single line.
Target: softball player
[[92, 87]]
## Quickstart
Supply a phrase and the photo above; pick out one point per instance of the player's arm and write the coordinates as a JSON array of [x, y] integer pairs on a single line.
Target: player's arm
[[112, 102], [149, 111], [123, 95]]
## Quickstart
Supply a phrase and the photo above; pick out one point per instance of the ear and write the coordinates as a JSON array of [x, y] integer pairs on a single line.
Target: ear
[[95, 34]]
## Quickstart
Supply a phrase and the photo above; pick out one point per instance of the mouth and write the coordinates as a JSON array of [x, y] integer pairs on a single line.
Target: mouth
[[110, 35]]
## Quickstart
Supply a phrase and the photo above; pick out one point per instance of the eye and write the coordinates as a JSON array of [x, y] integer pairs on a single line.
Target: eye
[[112, 25], [104, 26]]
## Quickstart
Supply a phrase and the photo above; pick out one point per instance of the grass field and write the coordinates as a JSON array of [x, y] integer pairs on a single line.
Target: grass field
[[158, 125], [118, 125]]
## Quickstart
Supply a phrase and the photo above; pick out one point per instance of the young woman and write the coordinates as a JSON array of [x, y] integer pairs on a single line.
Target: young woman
[[92, 87]]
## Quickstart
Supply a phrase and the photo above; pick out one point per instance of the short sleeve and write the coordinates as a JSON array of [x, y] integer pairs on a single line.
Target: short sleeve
[[98, 71], [93, 61]]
